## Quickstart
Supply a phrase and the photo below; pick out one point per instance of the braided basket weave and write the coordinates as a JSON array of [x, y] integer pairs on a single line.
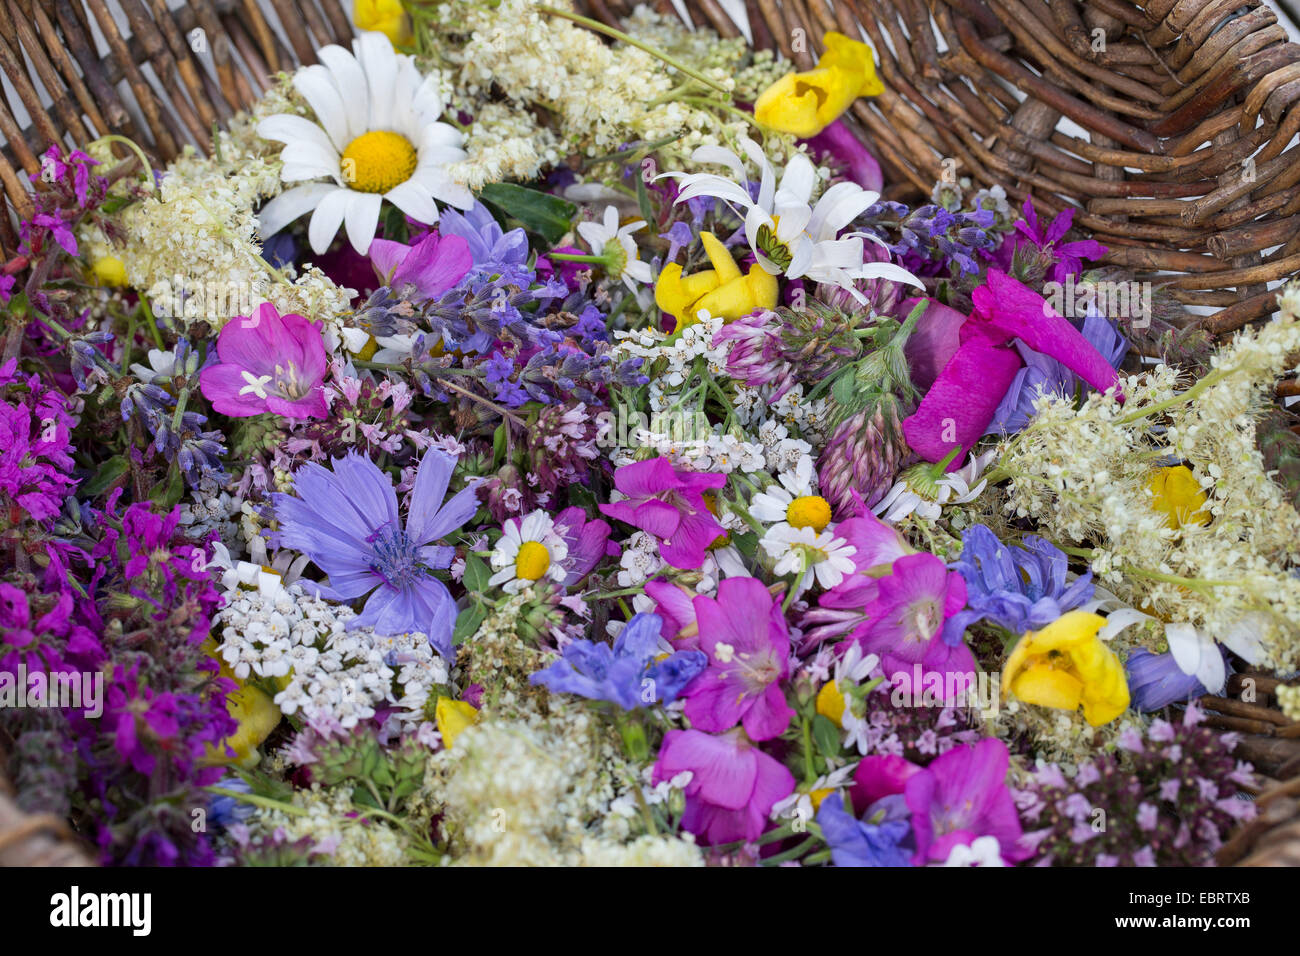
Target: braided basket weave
[[1167, 127]]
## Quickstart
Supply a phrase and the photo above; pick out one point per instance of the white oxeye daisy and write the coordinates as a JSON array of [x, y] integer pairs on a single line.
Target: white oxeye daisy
[[795, 501], [809, 554], [376, 136], [530, 549], [614, 246]]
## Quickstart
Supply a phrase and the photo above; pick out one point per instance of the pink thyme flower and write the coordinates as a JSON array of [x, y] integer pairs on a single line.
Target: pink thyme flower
[[268, 363], [733, 785], [669, 504], [745, 637]]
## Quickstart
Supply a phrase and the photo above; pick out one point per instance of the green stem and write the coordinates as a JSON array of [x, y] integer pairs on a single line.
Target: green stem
[[1182, 398], [619, 35], [791, 854], [576, 257], [266, 803], [809, 771]]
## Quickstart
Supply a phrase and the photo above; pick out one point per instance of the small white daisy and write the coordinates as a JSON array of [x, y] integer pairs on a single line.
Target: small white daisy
[[916, 493], [982, 851], [529, 550], [809, 554], [376, 136], [621, 259], [794, 501]]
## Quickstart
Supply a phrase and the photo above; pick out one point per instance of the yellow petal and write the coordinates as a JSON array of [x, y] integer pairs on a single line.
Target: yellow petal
[[852, 56], [676, 294], [109, 271], [1178, 496], [830, 703], [817, 796], [452, 718], [723, 264], [386, 16], [1042, 684], [257, 715], [740, 297], [804, 104]]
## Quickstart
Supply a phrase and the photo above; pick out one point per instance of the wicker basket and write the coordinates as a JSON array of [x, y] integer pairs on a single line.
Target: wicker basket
[[1175, 153]]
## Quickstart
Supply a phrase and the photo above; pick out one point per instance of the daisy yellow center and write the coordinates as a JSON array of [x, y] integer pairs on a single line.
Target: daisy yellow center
[[809, 511], [533, 560], [377, 161]]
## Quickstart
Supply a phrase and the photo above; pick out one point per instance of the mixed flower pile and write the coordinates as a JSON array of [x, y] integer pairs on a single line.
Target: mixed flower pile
[[534, 442]]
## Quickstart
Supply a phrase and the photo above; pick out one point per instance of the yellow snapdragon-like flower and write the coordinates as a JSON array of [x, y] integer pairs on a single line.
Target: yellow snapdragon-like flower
[[1178, 496], [109, 271], [831, 703], [386, 16], [255, 712], [804, 104], [722, 291], [453, 717], [1067, 666]]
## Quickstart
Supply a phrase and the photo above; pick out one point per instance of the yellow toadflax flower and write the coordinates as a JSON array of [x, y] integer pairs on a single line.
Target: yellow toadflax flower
[[1065, 665], [109, 271], [722, 291], [831, 703], [1178, 496], [804, 104], [386, 16], [453, 717], [255, 712]]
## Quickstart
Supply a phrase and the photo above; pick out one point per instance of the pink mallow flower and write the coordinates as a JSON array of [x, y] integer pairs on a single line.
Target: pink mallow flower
[[745, 637], [904, 622], [268, 363], [959, 797], [669, 504], [428, 268], [733, 785], [961, 403]]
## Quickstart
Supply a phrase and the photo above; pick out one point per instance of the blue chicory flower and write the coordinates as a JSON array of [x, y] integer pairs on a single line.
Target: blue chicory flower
[[494, 251], [1020, 589], [346, 521], [627, 674], [883, 838]]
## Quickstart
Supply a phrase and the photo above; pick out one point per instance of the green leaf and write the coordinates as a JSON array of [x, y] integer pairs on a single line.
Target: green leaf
[[395, 225], [476, 574], [643, 200], [170, 490], [499, 441], [827, 735], [468, 622], [108, 474], [548, 216]]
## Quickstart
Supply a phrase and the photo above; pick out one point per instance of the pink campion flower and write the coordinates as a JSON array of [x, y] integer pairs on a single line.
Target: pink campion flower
[[674, 603], [961, 403], [429, 267], [745, 637], [1069, 256], [268, 363], [733, 786], [669, 504], [904, 623]]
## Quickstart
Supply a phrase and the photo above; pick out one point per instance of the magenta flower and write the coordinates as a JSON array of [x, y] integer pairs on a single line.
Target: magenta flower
[[675, 605], [838, 141], [733, 786], [586, 540], [961, 796], [957, 409], [904, 624], [745, 637], [1069, 255], [669, 504], [268, 363], [430, 267], [35, 453]]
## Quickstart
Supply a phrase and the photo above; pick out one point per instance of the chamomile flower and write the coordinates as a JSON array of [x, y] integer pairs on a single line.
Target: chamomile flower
[[614, 243], [809, 554], [919, 492], [787, 235], [529, 550], [794, 501], [805, 801], [376, 136]]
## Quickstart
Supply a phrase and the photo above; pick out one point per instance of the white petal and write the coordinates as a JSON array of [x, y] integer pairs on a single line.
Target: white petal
[[291, 204], [838, 207], [316, 84], [1196, 654], [350, 79], [326, 220], [285, 128], [715, 186], [414, 200], [887, 270], [375, 51], [723, 157], [801, 257], [362, 218], [427, 102], [594, 234], [792, 214], [308, 155], [442, 188], [767, 180], [1120, 619], [1243, 638], [800, 176]]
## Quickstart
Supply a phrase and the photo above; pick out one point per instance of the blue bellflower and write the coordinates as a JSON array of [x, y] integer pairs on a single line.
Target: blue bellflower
[[494, 251], [1020, 589], [347, 522], [627, 674], [884, 838], [1156, 680]]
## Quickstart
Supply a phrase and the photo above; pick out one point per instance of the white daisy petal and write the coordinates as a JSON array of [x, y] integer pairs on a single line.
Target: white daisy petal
[[362, 219], [350, 79], [291, 130], [316, 85], [375, 53], [289, 205], [326, 220], [414, 200]]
